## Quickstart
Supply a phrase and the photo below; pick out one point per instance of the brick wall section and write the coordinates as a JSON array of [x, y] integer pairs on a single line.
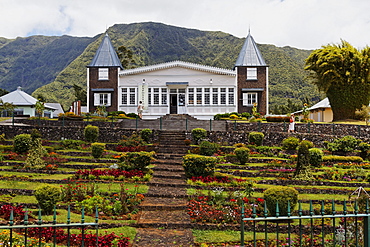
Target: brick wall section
[[111, 83], [259, 83]]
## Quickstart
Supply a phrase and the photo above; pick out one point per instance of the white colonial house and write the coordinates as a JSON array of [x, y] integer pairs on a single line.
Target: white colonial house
[[25, 104], [178, 87]]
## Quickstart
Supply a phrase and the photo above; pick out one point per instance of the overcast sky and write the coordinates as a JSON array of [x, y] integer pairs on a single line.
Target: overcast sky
[[305, 24]]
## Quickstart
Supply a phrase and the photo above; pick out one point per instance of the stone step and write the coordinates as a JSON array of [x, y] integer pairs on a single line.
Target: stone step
[[164, 203], [170, 176], [158, 195], [159, 162], [176, 217], [176, 169], [158, 236], [169, 156]]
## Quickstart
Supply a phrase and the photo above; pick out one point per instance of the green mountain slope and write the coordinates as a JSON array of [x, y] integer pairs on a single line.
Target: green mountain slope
[[154, 43], [36, 61]]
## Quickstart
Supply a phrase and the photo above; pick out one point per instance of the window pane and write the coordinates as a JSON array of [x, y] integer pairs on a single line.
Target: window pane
[[164, 99], [103, 74], [215, 98], [191, 99], [231, 99], [199, 98], [223, 99], [251, 73], [207, 99]]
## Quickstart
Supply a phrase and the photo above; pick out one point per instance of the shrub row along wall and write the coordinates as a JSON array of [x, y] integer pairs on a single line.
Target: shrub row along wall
[[360, 131], [113, 135]]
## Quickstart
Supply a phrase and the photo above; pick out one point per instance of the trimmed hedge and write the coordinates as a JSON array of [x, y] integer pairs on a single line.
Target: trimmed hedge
[[199, 165], [334, 158]]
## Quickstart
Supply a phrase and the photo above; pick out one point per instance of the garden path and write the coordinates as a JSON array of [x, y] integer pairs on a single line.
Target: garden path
[[163, 220]]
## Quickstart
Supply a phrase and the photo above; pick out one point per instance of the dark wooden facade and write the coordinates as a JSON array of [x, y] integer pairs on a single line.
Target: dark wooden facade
[[111, 83], [259, 83]]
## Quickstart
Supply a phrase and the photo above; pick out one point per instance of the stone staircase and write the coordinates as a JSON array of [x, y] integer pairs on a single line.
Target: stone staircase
[[163, 218]]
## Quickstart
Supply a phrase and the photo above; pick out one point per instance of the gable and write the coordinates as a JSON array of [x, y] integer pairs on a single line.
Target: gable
[[178, 68]]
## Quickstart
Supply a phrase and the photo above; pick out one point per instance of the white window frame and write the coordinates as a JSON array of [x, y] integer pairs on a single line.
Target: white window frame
[[99, 99], [103, 74], [251, 73], [130, 94], [249, 99], [231, 96], [157, 96]]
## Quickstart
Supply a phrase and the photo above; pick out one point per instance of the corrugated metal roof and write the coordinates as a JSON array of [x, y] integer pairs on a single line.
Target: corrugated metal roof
[[106, 55], [250, 55], [20, 98]]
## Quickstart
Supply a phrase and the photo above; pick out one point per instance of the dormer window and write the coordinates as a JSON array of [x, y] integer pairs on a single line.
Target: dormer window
[[251, 73], [103, 74]]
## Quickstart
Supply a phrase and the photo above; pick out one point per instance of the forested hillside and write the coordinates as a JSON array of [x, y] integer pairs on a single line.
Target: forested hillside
[[154, 43], [36, 61]]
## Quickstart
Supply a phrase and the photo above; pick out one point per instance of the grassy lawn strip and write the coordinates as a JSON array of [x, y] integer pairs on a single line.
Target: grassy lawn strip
[[215, 236], [110, 187], [36, 175]]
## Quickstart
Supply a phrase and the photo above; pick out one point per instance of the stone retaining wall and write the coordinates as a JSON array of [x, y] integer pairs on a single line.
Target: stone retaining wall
[[236, 132]]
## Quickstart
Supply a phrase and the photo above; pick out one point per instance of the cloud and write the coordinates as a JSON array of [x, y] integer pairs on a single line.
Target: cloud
[[307, 24]]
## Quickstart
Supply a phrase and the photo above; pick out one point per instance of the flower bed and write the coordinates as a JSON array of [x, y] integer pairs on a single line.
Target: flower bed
[[107, 174], [220, 210]]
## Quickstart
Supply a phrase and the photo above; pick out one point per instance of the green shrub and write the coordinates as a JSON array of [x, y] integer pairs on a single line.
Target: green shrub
[[136, 160], [242, 154], [72, 144], [344, 144], [146, 134], [35, 134], [316, 156], [303, 161], [198, 134], [221, 116], [22, 143], [134, 140], [47, 197], [255, 138], [198, 165], [339, 158], [97, 150], [34, 157], [91, 133], [280, 195], [364, 147], [246, 115], [290, 143], [208, 148]]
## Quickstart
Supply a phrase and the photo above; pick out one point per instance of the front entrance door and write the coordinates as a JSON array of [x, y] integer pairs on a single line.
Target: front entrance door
[[173, 103]]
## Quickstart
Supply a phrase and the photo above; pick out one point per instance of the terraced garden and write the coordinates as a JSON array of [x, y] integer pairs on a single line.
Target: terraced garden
[[213, 199]]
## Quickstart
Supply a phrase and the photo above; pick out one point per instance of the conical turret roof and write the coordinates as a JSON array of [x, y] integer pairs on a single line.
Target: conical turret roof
[[250, 55], [106, 55]]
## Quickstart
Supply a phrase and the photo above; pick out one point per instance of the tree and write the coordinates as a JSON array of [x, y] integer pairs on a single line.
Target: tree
[[125, 56], [342, 72], [8, 107], [39, 107], [80, 94], [3, 92]]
